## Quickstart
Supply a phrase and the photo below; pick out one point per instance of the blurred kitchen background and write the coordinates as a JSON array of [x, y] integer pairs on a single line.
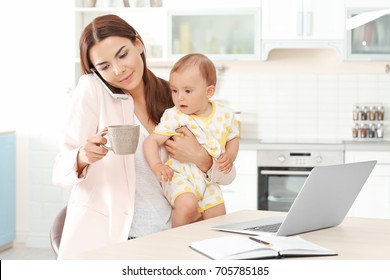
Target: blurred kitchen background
[[292, 81]]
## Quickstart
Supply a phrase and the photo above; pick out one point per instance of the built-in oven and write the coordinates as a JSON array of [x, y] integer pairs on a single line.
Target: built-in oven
[[283, 169]]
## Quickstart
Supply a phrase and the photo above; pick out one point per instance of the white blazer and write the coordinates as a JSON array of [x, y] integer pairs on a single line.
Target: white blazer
[[101, 204]]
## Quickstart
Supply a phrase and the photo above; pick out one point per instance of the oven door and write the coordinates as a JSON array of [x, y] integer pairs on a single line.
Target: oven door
[[279, 186]]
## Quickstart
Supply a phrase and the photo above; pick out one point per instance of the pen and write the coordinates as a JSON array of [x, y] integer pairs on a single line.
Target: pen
[[261, 241]]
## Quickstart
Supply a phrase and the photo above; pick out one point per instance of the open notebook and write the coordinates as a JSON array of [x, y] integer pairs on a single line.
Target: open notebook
[[324, 200], [239, 247]]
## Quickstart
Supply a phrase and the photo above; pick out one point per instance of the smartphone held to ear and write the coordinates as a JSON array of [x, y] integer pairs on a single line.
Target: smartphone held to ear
[[115, 92]]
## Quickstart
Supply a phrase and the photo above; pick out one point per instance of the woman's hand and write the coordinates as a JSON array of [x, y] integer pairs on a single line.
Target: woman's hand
[[187, 148], [92, 151]]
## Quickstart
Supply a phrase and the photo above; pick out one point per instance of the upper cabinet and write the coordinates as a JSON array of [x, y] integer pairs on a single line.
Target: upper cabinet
[[370, 41], [245, 30], [302, 24], [231, 34], [368, 34], [223, 30]]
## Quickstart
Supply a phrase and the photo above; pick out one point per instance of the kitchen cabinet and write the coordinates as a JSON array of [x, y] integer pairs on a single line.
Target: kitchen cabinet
[[223, 30], [371, 41], [374, 4], [374, 199], [242, 192], [302, 24], [221, 34], [7, 188]]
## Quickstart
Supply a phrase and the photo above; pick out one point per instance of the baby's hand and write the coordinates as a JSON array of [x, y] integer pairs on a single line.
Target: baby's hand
[[225, 163], [163, 172]]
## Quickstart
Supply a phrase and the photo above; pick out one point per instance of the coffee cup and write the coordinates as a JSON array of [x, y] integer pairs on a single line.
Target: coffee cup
[[123, 139]]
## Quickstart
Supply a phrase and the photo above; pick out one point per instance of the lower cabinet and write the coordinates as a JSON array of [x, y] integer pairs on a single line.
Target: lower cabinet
[[374, 199], [7, 189], [241, 194]]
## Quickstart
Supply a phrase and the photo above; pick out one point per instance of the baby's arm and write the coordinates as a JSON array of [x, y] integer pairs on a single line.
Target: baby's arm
[[151, 150], [226, 160]]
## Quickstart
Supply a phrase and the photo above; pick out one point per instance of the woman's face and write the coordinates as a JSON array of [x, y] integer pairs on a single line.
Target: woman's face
[[119, 61]]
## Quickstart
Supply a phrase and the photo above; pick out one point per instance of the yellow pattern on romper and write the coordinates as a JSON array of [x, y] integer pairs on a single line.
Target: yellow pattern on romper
[[212, 133]]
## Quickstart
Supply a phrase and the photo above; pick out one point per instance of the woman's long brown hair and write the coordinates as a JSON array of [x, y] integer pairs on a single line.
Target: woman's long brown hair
[[157, 91]]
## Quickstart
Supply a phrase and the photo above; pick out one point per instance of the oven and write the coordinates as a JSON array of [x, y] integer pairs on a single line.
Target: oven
[[283, 168]]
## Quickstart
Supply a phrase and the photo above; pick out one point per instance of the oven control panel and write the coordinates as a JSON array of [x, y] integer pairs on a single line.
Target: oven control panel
[[297, 158]]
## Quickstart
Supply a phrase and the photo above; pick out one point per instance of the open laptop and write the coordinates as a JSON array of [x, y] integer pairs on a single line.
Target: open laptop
[[324, 200]]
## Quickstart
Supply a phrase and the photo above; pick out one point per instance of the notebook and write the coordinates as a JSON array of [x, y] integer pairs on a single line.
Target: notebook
[[324, 200], [239, 247]]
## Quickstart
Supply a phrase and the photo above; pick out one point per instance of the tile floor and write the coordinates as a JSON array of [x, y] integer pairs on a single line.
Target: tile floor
[[19, 251]]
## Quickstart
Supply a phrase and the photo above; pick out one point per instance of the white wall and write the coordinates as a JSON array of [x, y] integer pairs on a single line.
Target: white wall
[[297, 94], [37, 67]]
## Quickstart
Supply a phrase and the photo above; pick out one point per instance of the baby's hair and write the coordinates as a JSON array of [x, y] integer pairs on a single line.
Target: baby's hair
[[206, 66]]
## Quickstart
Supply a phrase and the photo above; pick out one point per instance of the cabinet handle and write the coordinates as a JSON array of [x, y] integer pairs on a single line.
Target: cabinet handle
[[308, 23], [299, 23], [284, 172]]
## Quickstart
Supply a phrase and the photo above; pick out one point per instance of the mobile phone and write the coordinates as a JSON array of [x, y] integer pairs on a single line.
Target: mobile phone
[[115, 92]]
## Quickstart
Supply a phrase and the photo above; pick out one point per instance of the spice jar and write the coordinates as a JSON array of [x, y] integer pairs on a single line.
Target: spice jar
[[371, 130], [379, 130], [363, 113], [372, 113], [355, 130], [380, 113], [363, 130], [355, 113]]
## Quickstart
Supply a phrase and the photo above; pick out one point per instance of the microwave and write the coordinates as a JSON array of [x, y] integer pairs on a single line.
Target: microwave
[[370, 41]]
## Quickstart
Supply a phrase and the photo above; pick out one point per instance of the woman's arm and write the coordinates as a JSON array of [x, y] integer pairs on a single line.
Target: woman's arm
[[187, 148]]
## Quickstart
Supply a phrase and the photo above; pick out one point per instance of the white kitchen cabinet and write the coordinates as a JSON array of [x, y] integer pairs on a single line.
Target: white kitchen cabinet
[[374, 199], [372, 4], [223, 30], [221, 34], [302, 24], [242, 192]]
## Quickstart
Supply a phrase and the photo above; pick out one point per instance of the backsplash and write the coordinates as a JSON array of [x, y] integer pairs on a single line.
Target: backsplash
[[299, 106]]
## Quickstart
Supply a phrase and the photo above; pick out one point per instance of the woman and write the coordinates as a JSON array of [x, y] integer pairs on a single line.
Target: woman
[[115, 198]]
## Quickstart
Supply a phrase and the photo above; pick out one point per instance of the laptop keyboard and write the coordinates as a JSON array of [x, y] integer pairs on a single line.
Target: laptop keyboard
[[266, 228]]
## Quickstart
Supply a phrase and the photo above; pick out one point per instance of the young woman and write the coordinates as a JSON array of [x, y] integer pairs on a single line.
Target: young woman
[[115, 198]]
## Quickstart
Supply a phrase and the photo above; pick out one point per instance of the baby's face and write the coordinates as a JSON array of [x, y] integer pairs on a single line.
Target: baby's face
[[190, 93]]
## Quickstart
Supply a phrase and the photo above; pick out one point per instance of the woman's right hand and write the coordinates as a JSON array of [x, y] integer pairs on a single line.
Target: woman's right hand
[[187, 148], [92, 150]]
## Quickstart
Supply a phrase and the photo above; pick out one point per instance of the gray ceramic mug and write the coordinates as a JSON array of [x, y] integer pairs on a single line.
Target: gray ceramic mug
[[123, 139]]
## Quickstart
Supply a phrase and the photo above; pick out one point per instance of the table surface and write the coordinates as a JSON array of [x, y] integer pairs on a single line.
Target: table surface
[[354, 239]]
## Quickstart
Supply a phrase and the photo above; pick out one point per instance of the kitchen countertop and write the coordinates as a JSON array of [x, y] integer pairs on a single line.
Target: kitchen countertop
[[347, 145], [7, 132], [367, 145], [249, 144]]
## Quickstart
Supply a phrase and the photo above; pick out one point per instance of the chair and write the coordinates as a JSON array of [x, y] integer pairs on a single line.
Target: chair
[[56, 230]]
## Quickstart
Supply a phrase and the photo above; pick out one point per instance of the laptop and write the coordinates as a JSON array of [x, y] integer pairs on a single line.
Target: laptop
[[324, 200]]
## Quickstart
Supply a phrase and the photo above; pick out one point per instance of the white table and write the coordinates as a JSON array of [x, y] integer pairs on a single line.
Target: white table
[[355, 238]]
